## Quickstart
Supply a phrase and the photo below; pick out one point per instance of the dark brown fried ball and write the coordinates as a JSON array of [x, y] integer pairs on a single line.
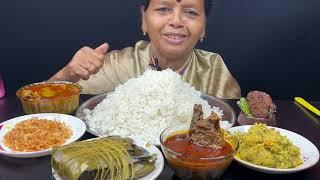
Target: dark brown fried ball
[[260, 104]]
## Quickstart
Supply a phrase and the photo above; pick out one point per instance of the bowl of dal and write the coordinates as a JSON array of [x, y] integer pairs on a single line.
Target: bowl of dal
[[49, 97]]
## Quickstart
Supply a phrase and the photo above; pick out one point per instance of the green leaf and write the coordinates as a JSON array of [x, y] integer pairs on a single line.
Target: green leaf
[[244, 106]]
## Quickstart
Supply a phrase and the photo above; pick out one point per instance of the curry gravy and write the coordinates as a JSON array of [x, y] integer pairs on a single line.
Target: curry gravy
[[191, 152], [49, 91]]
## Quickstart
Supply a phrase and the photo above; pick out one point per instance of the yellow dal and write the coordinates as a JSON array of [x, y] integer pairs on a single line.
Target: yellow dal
[[266, 147]]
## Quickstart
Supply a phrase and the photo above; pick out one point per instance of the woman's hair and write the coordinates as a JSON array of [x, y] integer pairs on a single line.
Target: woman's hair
[[207, 5]]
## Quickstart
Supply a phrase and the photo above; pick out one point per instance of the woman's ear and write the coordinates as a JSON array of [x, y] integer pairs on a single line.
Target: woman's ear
[[203, 33], [143, 18]]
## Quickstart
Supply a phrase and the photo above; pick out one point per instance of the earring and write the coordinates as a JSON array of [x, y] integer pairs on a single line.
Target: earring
[[201, 40], [144, 33]]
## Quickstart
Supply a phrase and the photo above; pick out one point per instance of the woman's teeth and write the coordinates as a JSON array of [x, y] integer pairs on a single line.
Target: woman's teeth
[[175, 37]]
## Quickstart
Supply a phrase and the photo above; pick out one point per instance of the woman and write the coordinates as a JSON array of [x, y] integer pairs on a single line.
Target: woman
[[173, 27]]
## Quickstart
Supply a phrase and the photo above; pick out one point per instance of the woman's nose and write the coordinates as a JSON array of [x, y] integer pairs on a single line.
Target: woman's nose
[[176, 19]]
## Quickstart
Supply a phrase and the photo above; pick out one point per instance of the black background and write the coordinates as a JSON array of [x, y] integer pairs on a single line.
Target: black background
[[271, 45]]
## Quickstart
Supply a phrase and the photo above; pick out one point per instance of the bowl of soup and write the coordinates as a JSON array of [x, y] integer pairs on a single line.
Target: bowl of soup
[[49, 97], [191, 161]]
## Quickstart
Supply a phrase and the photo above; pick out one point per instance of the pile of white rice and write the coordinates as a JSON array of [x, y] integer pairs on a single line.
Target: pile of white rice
[[143, 107]]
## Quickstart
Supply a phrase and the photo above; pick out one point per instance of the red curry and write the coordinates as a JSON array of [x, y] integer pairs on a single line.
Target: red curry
[[191, 152]]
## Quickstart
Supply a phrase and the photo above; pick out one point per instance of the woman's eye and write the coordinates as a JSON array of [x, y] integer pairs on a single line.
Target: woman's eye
[[192, 12], [163, 9]]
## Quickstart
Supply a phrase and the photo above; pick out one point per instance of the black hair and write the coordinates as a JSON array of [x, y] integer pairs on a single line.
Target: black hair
[[207, 6]]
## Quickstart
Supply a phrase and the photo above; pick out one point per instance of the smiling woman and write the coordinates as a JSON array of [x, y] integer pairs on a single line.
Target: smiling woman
[[174, 28]]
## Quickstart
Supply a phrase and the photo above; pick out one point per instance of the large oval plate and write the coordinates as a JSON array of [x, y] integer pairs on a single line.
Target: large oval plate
[[228, 112], [77, 126], [309, 152], [152, 150]]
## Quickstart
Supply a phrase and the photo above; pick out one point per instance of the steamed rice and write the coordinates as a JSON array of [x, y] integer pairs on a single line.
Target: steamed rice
[[143, 107]]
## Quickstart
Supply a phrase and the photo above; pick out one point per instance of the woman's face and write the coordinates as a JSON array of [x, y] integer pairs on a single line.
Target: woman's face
[[174, 26]]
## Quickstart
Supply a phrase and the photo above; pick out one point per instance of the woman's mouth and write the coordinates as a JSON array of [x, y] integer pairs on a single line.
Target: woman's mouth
[[174, 38]]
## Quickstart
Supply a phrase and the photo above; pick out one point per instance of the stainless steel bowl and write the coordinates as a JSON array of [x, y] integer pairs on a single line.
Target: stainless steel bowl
[[228, 112]]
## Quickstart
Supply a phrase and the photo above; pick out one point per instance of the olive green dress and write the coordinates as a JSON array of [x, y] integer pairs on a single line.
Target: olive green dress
[[204, 70]]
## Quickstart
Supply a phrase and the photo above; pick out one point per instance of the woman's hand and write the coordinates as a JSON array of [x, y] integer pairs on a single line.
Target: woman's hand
[[85, 62]]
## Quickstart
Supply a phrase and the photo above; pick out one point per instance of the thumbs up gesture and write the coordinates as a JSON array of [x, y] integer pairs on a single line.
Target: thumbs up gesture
[[85, 62]]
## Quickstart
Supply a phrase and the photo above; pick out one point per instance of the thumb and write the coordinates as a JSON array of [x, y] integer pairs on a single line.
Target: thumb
[[103, 48]]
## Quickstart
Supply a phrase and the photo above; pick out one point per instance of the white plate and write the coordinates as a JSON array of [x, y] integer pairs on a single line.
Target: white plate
[[152, 150], [309, 152], [77, 126]]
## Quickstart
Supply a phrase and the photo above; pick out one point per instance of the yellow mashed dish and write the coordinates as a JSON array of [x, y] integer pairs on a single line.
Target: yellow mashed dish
[[267, 147]]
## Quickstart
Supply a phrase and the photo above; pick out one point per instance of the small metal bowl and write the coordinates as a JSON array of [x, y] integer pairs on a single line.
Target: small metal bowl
[[244, 120], [63, 104]]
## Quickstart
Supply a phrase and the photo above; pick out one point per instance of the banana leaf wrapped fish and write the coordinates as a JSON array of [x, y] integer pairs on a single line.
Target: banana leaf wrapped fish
[[111, 157]]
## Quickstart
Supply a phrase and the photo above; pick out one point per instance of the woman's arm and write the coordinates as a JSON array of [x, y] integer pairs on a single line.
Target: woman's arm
[[85, 62]]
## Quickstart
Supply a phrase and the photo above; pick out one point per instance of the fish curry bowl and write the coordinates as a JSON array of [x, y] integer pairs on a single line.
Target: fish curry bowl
[[190, 161], [49, 97]]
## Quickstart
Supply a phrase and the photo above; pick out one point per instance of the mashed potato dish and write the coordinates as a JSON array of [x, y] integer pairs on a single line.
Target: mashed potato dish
[[267, 147]]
